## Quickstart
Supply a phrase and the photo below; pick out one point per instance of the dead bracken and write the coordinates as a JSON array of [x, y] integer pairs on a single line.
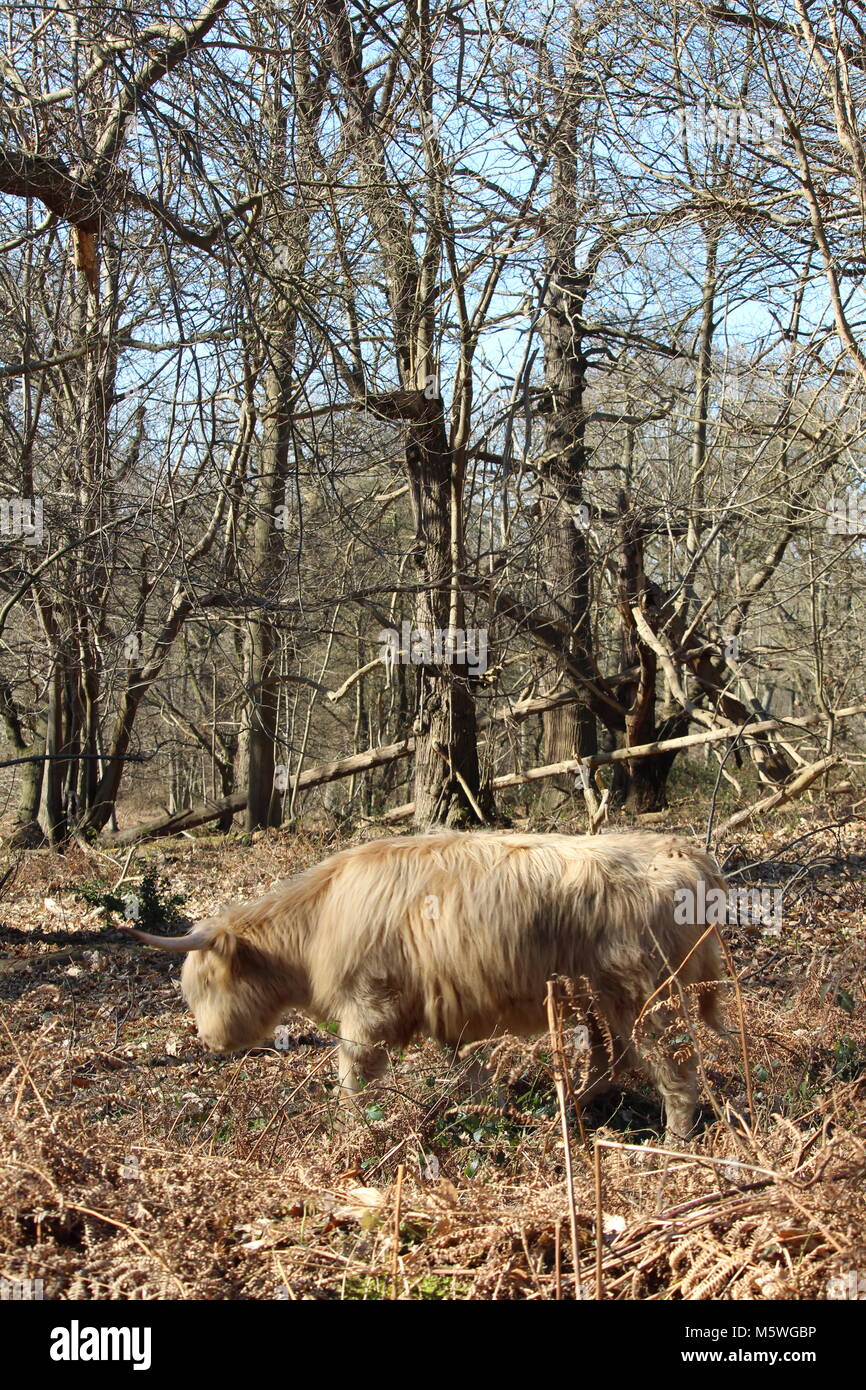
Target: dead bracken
[[134, 1165]]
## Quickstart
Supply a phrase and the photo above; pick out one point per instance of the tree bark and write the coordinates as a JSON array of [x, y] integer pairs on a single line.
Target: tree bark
[[564, 562], [447, 781], [27, 833]]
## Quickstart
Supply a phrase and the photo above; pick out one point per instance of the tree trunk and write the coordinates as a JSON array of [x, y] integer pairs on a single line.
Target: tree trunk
[[571, 730], [639, 785], [447, 775], [26, 833], [263, 802], [53, 812], [287, 249]]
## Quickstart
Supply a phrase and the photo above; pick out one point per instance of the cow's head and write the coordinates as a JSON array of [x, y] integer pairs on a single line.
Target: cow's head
[[232, 987]]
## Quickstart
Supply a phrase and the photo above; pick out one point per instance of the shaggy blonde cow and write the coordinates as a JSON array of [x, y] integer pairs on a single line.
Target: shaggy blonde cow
[[454, 936]]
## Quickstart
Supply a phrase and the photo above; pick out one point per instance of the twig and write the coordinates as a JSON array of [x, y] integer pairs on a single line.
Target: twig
[[398, 1197], [122, 1226], [684, 1157], [122, 878], [555, 1025], [27, 1075], [462, 781], [599, 1223]]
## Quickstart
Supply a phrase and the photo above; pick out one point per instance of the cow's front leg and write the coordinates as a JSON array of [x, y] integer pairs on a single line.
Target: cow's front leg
[[360, 1064]]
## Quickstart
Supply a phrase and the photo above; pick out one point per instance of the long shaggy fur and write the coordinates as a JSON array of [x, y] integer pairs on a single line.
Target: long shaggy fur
[[454, 936]]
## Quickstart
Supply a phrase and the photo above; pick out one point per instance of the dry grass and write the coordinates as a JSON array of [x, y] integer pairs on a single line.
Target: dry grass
[[135, 1165]]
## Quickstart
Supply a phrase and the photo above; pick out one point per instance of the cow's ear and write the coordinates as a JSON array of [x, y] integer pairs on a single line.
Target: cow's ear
[[224, 943], [236, 955]]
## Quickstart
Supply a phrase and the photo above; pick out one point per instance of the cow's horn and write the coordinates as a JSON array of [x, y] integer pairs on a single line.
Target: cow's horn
[[195, 940]]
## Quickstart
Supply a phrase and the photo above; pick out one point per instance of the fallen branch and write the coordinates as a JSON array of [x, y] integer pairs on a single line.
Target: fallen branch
[[663, 651], [794, 789], [648, 750], [213, 810], [210, 810], [378, 757]]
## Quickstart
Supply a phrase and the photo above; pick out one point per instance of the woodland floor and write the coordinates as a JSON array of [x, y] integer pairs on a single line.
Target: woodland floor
[[135, 1165]]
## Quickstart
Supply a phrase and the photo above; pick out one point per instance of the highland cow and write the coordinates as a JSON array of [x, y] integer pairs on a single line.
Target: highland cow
[[454, 935]]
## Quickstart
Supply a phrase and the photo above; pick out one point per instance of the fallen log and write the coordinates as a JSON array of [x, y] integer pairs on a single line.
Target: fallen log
[[800, 783], [205, 811], [377, 757], [648, 750], [211, 810]]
